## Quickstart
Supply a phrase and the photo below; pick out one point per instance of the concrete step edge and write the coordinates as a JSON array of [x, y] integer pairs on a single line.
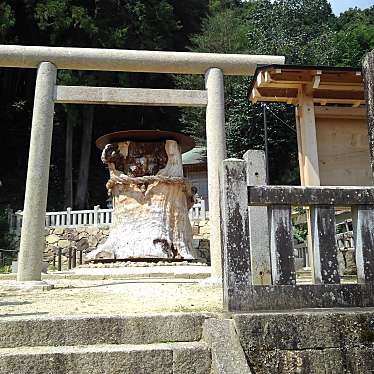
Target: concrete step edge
[[102, 348], [159, 358]]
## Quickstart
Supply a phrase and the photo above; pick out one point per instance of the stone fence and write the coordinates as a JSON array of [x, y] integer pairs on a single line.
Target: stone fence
[[243, 290], [93, 217]]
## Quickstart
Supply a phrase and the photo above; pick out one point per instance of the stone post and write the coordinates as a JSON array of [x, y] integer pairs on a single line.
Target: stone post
[[96, 215], [258, 221], [368, 69], [68, 216], [33, 227], [235, 231], [216, 153]]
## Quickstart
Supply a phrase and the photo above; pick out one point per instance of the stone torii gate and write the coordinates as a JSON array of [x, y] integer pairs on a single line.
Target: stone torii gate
[[47, 60]]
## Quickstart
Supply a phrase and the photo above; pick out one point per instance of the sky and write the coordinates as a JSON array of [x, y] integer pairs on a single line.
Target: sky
[[339, 6]]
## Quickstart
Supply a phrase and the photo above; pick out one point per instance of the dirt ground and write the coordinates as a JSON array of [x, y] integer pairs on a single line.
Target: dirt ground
[[104, 297]]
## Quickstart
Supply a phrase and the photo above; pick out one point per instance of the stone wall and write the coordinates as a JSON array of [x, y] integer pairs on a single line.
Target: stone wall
[[87, 238], [319, 342], [83, 238]]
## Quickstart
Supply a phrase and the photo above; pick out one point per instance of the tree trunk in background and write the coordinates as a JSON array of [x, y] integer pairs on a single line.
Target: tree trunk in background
[[368, 68], [68, 185], [84, 165]]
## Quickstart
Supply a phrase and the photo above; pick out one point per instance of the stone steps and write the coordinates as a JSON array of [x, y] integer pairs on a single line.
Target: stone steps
[[139, 329], [159, 343], [162, 358]]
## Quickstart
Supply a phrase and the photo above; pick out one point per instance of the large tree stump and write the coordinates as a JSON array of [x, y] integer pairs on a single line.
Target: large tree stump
[[151, 200]]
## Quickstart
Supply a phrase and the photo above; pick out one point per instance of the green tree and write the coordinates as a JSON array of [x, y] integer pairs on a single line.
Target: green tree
[[305, 32], [7, 21], [354, 36]]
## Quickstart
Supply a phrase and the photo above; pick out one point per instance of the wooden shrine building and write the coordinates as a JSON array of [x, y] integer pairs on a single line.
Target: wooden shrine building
[[331, 120]]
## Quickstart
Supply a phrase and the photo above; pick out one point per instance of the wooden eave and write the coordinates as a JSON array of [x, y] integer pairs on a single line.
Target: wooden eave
[[328, 85]]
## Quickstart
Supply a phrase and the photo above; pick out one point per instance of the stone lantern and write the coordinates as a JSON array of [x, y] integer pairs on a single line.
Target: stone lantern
[[151, 198]]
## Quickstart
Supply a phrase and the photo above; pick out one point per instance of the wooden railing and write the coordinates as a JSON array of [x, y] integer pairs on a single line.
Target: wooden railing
[[241, 293], [94, 217]]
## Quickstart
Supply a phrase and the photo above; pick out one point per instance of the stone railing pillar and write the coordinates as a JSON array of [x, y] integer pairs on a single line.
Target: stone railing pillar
[[96, 215], [33, 227], [258, 221]]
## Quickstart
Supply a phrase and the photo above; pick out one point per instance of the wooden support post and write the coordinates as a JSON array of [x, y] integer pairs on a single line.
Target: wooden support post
[[81, 257], [235, 232], [258, 221], [363, 229], [308, 137], [324, 245], [281, 245], [59, 259], [299, 147], [307, 149], [70, 258], [74, 261]]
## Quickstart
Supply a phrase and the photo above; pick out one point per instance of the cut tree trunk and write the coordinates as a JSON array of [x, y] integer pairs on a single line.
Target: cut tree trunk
[[84, 165], [151, 200], [368, 68]]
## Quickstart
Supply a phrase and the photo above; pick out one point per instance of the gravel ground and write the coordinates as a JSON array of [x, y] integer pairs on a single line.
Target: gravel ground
[[80, 297]]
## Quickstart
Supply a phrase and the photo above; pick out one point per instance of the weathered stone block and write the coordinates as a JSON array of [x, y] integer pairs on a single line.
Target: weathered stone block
[[58, 231], [92, 241], [108, 359], [204, 229], [227, 353], [191, 358], [82, 234], [204, 244], [51, 239], [64, 243], [82, 244], [74, 331], [92, 230]]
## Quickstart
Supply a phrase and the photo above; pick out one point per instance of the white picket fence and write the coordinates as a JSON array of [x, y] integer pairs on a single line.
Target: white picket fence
[[94, 217]]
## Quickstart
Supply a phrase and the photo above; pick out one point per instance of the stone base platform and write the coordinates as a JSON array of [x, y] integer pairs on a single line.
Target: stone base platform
[[13, 285], [93, 272], [136, 272]]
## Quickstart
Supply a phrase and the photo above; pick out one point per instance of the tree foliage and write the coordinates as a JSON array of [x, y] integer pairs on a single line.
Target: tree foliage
[[305, 32]]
